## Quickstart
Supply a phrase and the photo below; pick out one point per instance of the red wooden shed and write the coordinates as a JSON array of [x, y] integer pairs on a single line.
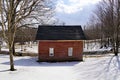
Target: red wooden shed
[[60, 43]]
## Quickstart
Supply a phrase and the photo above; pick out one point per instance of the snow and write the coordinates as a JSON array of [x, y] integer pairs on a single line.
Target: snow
[[29, 69], [93, 47], [33, 49], [105, 68], [92, 68], [97, 49]]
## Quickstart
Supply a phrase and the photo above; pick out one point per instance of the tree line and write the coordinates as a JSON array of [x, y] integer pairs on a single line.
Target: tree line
[[105, 23]]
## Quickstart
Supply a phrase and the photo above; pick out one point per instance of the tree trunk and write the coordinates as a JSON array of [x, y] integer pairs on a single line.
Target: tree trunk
[[13, 49], [116, 51], [0, 48], [116, 47], [11, 60]]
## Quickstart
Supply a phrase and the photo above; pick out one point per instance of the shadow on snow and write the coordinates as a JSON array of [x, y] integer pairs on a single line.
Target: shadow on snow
[[105, 69], [31, 62]]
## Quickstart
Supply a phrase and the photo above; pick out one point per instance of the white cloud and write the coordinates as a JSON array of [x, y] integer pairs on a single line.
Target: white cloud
[[84, 2], [73, 6]]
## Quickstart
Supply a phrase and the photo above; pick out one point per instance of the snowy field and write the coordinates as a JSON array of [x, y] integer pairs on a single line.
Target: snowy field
[[92, 68], [25, 49]]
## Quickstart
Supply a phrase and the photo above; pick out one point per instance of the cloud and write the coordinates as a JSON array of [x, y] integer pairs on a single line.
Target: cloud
[[73, 6]]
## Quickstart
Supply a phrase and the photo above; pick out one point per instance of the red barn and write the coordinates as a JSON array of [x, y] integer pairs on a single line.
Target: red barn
[[60, 43]]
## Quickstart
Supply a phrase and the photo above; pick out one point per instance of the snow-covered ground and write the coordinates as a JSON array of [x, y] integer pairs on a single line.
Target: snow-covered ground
[[95, 68], [106, 67], [92, 47], [97, 49], [33, 49], [95, 46]]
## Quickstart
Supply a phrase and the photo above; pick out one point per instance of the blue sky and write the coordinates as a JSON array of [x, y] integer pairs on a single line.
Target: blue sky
[[75, 12]]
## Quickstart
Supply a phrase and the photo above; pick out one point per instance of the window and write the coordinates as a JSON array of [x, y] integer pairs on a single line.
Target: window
[[70, 51], [51, 51]]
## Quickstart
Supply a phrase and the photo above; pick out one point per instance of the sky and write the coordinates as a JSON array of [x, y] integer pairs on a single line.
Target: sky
[[75, 12]]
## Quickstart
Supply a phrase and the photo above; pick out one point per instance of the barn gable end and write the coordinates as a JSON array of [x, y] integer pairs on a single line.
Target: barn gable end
[[60, 43]]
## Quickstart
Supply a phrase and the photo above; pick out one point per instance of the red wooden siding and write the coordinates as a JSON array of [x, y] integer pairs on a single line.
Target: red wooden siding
[[60, 50]]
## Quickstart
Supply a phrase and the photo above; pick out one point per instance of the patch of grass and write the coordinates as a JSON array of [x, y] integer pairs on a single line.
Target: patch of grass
[[26, 54]]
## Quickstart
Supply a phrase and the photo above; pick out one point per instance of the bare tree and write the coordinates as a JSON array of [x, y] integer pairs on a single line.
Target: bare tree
[[108, 15], [12, 15], [92, 29]]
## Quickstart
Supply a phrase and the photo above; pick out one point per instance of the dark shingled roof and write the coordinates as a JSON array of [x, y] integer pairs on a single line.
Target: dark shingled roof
[[60, 33]]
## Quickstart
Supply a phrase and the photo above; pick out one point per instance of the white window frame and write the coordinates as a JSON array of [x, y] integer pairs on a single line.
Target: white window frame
[[51, 51], [70, 51]]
